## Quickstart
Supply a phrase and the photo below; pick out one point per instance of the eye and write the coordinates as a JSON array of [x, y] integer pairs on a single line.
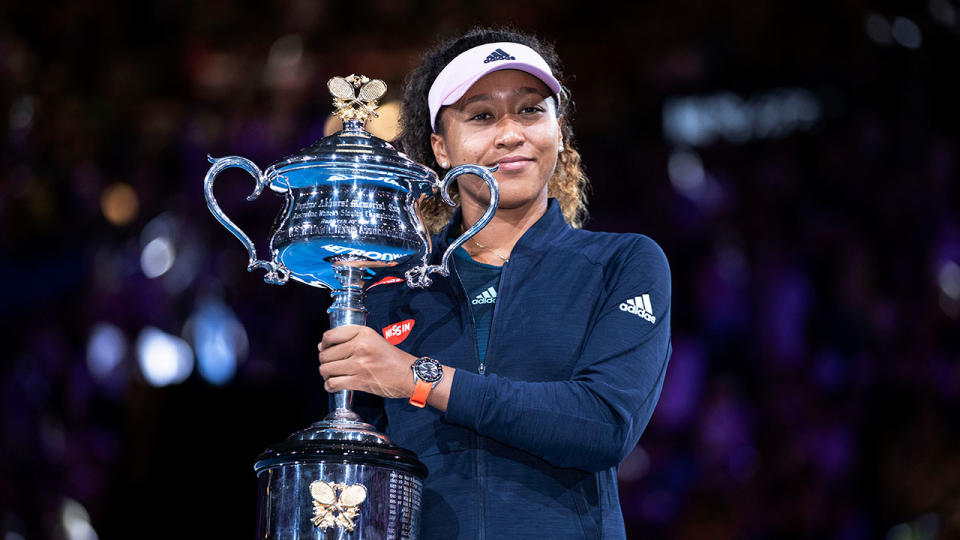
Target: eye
[[480, 117], [532, 109]]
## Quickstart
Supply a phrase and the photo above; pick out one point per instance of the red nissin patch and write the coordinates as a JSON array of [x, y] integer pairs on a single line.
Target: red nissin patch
[[397, 332], [386, 281]]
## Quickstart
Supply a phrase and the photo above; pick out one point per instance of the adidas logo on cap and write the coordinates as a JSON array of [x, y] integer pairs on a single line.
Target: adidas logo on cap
[[498, 55], [639, 306], [488, 296]]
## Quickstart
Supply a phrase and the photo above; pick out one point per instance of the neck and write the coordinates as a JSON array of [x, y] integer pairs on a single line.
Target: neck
[[503, 231]]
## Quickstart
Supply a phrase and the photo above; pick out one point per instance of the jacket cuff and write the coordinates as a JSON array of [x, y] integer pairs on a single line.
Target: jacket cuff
[[467, 393]]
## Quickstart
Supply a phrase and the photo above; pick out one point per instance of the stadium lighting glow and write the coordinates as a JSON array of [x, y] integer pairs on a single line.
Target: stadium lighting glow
[[286, 51], [878, 29], [76, 521], [685, 169], [702, 120], [219, 339], [119, 204], [949, 280], [906, 33], [21, 113], [105, 349], [943, 12], [164, 359], [157, 257]]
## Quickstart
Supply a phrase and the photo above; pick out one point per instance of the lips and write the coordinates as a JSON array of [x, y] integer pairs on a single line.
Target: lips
[[513, 163]]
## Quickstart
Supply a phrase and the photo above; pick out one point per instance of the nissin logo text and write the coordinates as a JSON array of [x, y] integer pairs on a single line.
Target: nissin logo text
[[397, 332]]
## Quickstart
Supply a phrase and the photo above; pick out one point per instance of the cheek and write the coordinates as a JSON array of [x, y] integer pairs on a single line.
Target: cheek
[[548, 135], [549, 167], [469, 148]]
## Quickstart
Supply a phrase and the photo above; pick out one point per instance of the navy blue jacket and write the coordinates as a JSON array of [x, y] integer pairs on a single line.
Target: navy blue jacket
[[574, 368]]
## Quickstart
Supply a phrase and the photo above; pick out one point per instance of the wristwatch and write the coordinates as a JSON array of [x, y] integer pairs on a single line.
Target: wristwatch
[[427, 373]]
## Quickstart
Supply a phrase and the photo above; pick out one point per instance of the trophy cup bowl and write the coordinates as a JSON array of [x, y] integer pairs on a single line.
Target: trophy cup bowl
[[351, 209]]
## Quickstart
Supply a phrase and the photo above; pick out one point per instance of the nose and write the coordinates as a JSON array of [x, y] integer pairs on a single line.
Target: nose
[[509, 132]]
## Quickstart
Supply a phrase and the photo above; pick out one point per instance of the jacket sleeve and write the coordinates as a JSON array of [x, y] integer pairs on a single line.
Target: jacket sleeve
[[593, 420]]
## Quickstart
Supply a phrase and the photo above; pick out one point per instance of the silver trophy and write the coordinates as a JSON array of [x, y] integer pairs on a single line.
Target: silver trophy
[[351, 211]]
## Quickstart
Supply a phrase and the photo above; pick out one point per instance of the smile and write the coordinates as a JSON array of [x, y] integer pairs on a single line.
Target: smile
[[513, 163]]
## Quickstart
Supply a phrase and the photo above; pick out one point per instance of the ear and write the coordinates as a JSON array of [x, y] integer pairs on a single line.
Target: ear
[[439, 148]]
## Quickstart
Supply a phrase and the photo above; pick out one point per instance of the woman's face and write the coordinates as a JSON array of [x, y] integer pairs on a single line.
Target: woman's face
[[507, 118]]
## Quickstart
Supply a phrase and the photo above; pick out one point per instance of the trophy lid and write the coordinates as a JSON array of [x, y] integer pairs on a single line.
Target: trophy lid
[[354, 146]]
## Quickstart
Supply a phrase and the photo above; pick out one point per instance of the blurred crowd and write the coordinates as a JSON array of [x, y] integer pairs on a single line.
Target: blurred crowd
[[815, 382]]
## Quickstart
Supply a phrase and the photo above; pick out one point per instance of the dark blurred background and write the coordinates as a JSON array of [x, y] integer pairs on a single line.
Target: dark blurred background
[[797, 161]]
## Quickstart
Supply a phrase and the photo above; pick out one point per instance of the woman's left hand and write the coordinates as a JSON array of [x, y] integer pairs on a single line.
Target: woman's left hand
[[358, 358]]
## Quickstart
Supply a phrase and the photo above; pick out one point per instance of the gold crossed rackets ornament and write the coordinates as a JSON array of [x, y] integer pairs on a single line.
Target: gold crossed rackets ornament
[[336, 505], [343, 90]]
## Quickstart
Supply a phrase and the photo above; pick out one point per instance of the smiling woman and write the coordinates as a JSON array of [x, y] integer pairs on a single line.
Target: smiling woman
[[422, 119], [542, 381], [507, 119]]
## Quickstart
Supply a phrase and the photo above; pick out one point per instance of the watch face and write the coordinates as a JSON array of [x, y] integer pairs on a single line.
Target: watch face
[[427, 369]]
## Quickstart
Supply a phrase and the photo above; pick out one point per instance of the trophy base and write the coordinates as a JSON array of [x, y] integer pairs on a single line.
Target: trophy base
[[335, 489]]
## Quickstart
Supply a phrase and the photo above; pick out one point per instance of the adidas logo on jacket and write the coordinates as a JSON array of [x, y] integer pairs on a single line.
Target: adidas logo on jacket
[[640, 306]]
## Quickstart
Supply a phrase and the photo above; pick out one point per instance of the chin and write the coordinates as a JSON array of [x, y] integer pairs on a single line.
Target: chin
[[510, 199], [513, 194]]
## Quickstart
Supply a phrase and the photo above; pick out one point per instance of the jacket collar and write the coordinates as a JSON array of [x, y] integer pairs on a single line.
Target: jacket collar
[[544, 231]]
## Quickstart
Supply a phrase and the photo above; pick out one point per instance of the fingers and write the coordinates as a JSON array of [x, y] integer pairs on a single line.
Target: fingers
[[336, 353], [370, 383], [346, 342], [335, 345], [343, 352], [336, 368], [341, 334], [336, 384]]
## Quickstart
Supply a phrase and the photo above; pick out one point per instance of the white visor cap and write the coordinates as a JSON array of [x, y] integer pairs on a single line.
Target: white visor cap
[[469, 66]]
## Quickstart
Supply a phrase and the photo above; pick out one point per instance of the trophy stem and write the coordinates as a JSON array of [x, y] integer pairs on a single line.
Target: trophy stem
[[347, 309], [347, 305], [342, 423]]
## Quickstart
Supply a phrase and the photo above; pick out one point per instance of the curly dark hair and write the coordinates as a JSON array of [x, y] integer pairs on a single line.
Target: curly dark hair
[[568, 184]]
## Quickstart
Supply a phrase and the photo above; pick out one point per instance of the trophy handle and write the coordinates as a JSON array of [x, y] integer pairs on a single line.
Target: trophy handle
[[419, 276], [277, 274]]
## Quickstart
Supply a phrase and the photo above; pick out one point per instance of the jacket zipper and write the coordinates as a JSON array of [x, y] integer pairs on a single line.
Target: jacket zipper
[[481, 369], [473, 320], [493, 320]]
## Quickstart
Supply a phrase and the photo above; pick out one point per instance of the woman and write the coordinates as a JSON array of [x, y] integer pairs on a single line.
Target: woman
[[542, 356]]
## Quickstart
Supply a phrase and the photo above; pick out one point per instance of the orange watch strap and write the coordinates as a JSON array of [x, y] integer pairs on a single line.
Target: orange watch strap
[[420, 393]]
